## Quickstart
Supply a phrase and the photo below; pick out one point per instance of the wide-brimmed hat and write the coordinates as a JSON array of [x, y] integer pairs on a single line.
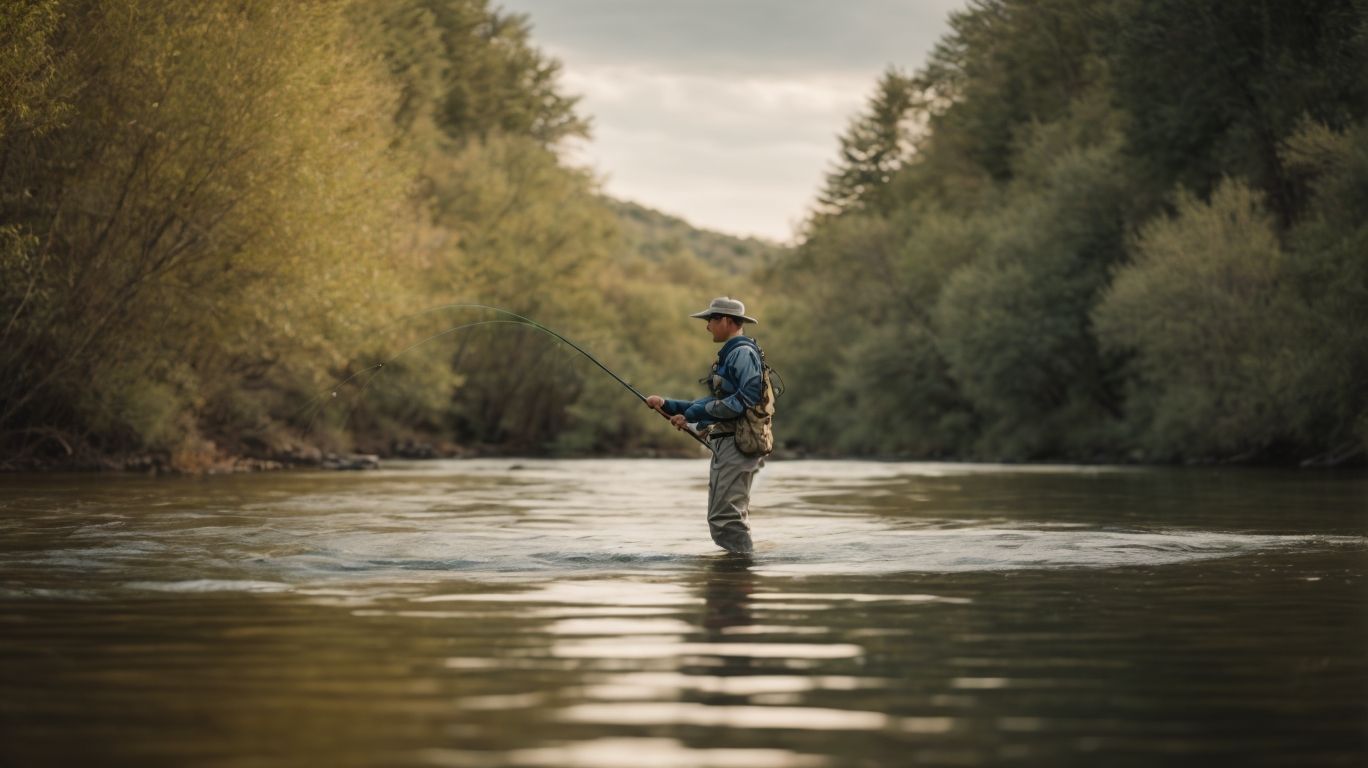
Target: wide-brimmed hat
[[725, 305]]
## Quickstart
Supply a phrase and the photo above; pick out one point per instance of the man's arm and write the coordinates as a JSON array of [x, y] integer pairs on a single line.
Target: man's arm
[[744, 366], [690, 410], [694, 411]]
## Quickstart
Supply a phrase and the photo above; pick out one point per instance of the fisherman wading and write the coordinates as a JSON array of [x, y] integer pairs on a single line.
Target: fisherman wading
[[741, 402]]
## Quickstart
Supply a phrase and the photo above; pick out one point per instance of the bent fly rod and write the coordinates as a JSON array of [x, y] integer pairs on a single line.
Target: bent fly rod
[[521, 320], [529, 321]]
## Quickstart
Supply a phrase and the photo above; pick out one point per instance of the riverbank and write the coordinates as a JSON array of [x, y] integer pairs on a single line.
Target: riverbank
[[208, 459]]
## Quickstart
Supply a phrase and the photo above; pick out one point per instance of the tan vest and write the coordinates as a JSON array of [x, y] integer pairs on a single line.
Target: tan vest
[[754, 428]]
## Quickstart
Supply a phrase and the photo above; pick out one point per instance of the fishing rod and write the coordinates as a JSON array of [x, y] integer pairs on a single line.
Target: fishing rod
[[529, 321], [518, 320]]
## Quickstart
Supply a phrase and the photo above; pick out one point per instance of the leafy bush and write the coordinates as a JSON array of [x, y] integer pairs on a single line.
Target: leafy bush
[[1214, 326]]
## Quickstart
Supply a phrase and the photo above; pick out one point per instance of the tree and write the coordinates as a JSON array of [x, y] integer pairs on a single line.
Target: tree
[[470, 71], [877, 143], [1329, 269], [1212, 89], [1005, 65], [215, 204], [1206, 309]]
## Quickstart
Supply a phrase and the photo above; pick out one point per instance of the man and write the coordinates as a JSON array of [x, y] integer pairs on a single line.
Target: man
[[736, 383]]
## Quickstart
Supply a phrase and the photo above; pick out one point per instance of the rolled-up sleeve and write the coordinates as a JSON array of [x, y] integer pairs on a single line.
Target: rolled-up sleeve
[[695, 411], [743, 365], [673, 407]]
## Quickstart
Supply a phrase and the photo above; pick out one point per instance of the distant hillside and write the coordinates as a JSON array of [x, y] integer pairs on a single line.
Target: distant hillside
[[657, 236]]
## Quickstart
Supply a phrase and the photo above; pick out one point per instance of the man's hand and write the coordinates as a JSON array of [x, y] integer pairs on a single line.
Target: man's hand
[[656, 402]]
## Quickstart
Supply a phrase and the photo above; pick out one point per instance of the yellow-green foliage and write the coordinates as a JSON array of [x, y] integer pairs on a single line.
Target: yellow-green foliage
[[29, 68], [213, 212], [218, 204], [529, 235]]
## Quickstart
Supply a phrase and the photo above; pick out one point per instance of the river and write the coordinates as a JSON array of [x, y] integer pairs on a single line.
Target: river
[[573, 613]]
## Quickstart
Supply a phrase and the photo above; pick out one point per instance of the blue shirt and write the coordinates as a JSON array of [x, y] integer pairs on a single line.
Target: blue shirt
[[742, 386]]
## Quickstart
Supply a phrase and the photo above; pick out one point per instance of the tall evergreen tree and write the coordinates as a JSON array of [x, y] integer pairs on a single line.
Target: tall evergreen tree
[[877, 143]]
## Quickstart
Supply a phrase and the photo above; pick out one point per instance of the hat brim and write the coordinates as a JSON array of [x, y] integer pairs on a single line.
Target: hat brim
[[705, 314]]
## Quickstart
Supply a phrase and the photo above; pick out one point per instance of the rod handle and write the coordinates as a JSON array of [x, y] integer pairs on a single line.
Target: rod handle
[[686, 428]]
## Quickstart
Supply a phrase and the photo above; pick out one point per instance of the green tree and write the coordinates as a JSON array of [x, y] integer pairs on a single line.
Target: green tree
[[1005, 65], [1212, 89], [1330, 271], [1050, 133], [1207, 311], [877, 143]]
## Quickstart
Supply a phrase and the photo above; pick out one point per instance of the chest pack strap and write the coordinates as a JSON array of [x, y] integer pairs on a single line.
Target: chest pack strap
[[715, 378]]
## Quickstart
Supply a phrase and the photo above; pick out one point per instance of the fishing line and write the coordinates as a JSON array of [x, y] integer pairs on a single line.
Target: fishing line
[[517, 319], [684, 428], [520, 319]]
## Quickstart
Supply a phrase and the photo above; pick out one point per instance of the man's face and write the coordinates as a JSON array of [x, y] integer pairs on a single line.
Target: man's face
[[721, 327]]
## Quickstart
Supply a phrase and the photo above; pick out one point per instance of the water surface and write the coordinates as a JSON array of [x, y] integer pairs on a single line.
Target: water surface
[[574, 613]]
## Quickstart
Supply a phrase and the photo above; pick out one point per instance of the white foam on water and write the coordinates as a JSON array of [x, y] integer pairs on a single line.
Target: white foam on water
[[618, 752], [209, 585]]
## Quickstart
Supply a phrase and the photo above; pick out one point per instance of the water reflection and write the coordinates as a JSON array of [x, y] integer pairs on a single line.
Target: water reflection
[[727, 588], [894, 614], [728, 585]]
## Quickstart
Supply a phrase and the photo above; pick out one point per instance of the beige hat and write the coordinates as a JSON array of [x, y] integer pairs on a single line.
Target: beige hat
[[725, 305]]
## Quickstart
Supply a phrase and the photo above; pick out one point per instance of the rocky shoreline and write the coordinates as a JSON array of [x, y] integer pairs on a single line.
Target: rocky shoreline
[[208, 459]]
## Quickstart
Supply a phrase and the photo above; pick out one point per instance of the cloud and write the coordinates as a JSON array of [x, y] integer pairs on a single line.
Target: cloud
[[740, 155], [758, 36], [726, 112], [750, 110]]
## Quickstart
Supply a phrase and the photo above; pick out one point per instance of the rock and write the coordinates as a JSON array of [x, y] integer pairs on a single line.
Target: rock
[[410, 449], [296, 454], [350, 462], [255, 465], [1345, 456]]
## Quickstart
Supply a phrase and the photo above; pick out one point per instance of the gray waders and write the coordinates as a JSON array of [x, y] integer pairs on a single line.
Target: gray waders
[[729, 485]]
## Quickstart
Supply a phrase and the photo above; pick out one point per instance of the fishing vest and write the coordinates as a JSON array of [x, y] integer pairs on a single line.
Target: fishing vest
[[754, 428]]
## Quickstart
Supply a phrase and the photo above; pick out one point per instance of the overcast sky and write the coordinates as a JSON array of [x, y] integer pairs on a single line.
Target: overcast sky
[[726, 112]]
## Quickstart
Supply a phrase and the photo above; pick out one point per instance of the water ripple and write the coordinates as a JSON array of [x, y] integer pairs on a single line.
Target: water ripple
[[479, 519]]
